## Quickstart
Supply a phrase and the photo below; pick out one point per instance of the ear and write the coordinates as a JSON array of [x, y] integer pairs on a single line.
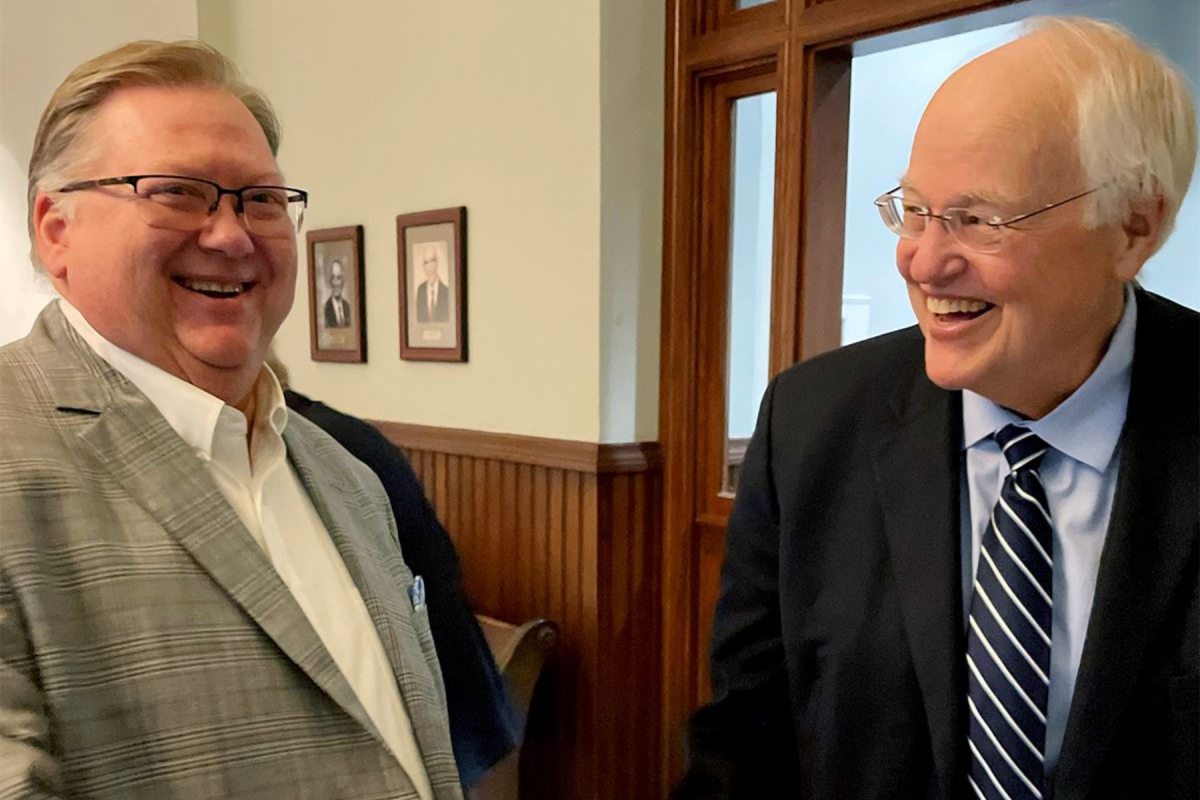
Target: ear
[[1139, 235], [52, 235]]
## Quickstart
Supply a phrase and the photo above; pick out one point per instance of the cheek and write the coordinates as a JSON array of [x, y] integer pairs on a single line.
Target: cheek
[[905, 249], [284, 277]]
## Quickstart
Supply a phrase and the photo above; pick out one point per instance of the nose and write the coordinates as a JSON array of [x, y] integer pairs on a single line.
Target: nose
[[933, 258], [225, 231]]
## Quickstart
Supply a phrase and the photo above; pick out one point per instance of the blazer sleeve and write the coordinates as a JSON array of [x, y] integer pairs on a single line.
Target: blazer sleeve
[[27, 769], [742, 743]]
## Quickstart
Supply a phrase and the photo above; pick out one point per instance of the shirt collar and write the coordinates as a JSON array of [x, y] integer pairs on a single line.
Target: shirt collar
[[192, 412], [1085, 426]]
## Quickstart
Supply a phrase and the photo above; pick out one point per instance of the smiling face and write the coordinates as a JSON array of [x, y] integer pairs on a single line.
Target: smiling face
[[202, 305], [1024, 326]]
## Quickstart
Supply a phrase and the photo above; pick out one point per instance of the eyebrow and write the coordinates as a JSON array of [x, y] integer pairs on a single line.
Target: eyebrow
[[963, 199]]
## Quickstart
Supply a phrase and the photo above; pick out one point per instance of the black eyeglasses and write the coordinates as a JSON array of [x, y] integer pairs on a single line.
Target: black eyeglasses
[[974, 229], [181, 203]]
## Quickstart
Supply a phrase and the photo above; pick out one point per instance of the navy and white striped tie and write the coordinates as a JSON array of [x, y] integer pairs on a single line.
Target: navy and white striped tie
[[1008, 631]]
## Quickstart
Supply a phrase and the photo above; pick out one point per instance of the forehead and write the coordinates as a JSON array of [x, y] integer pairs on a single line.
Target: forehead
[[992, 133], [200, 131]]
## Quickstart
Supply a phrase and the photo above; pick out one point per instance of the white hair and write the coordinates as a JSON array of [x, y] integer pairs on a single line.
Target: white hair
[[1135, 119]]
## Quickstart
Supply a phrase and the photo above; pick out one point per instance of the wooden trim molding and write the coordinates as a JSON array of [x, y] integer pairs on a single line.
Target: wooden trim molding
[[586, 457]]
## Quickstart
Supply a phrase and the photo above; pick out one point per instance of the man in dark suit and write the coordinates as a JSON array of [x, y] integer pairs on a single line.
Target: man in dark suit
[[963, 557], [433, 296], [484, 726], [337, 308]]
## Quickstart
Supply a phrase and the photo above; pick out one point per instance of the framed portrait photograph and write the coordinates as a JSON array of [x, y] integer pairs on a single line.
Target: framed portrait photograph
[[432, 247], [336, 319]]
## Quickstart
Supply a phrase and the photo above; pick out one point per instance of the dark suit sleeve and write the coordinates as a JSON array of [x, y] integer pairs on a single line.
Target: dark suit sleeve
[[742, 744], [484, 726]]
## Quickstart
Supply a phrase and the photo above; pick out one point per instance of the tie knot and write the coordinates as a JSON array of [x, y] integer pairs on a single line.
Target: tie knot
[[1023, 448]]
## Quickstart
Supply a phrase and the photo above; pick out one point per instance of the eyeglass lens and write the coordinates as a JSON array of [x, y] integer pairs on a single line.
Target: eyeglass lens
[[182, 204], [968, 227]]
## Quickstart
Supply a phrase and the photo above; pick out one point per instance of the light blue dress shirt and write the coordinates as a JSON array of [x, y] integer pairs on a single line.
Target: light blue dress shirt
[[1079, 474]]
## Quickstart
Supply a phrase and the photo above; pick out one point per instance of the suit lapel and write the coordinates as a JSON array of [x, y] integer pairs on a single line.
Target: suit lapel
[[131, 439], [1151, 535], [379, 573], [917, 471]]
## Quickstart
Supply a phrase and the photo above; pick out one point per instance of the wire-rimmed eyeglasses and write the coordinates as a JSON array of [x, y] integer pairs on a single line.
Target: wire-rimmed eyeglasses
[[970, 227], [182, 203]]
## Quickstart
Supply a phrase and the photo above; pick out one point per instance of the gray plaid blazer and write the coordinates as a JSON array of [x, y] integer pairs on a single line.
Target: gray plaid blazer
[[148, 649]]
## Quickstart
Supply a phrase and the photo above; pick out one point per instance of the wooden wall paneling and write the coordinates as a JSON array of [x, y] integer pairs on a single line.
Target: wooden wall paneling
[[492, 549], [589, 678], [579, 546]]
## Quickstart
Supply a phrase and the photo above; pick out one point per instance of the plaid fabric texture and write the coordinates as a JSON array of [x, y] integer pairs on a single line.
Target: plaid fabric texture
[[148, 649]]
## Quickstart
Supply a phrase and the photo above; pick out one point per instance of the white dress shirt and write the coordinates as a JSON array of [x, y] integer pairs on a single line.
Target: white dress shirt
[[1079, 474], [270, 500]]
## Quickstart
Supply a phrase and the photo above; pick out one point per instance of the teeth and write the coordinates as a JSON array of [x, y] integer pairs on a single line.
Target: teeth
[[953, 305], [213, 286]]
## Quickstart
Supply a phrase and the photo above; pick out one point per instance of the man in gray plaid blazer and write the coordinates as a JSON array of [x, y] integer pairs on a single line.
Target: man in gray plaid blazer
[[200, 595]]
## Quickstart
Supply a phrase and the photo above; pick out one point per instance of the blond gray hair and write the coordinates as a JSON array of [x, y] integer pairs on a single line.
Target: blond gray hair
[[1135, 118], [60, 148]]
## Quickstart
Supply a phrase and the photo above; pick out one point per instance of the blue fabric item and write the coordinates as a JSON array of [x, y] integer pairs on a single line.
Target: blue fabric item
[[1079, 475]]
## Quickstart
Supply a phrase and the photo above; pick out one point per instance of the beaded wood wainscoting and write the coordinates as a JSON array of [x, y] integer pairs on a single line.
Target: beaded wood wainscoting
[[569, 531]]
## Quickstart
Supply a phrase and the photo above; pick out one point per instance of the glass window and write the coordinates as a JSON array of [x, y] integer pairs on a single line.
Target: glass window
[[751, 219]]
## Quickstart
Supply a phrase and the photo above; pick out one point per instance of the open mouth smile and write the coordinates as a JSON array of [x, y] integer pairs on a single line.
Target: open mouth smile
[[955, 309], [217, 290]]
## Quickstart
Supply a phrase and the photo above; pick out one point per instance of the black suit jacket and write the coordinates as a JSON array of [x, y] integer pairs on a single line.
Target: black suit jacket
[[331, 320], [484, 726], [441, 309], [838, 646]]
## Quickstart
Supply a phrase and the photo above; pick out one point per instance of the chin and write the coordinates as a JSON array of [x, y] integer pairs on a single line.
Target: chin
[[228, 355], [945, 373]]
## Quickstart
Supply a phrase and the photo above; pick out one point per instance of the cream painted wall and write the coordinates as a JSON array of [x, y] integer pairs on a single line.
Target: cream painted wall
[[396, 107], [40, 42], [632, 68]]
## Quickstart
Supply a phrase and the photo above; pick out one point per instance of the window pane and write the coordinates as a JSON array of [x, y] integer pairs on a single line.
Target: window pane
[[751, 3], [751, 220]]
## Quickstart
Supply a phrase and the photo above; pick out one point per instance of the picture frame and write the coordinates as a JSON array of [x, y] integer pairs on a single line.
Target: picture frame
[[337, 295], [432, 259]]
